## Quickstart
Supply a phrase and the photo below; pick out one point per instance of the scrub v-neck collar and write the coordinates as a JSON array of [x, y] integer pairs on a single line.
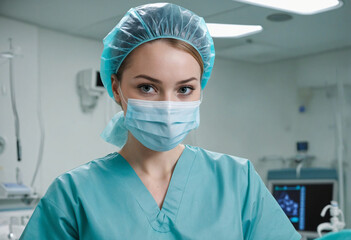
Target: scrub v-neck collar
[[162, 219]]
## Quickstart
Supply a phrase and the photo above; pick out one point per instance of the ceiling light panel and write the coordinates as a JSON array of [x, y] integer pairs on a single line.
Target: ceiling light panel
[[232, 30], [305, 7]]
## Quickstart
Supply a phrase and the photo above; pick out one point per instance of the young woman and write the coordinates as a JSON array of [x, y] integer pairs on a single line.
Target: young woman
[[155, 63]]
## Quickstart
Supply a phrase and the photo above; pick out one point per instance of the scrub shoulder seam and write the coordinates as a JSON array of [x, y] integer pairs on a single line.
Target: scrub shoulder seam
[[50, 202]]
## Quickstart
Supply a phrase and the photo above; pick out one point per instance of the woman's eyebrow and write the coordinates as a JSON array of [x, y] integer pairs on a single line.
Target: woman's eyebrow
[[158, 81], [187, 80], [148, 78]]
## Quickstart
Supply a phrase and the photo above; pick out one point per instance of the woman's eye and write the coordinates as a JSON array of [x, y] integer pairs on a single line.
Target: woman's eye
[[185, 90], [147, 89]]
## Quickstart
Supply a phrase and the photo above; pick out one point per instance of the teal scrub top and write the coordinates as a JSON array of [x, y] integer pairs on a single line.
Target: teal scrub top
[[210, 196]]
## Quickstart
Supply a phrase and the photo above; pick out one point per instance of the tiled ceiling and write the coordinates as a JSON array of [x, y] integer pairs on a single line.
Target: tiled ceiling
[[302, 35]]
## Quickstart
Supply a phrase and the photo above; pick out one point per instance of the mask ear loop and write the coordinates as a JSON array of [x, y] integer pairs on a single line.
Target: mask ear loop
[[194, 131], [120, 92]]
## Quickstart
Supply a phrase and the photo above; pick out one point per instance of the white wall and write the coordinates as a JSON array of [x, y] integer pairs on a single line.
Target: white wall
[[318, 125], [248, 110]]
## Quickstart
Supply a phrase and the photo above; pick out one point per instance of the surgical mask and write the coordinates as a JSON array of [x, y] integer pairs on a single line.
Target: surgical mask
[[160, 125]]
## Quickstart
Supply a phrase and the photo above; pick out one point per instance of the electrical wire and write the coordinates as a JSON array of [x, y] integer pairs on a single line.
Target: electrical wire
[[42, 135]]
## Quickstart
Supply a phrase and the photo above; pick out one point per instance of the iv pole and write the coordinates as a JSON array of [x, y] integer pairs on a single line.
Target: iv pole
[[10, 56]]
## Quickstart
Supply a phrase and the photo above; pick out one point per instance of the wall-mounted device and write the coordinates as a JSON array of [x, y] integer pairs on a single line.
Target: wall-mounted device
[[90, 88]]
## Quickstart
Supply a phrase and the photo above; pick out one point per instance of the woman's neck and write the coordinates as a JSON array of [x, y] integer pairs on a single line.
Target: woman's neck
[[148, 162]]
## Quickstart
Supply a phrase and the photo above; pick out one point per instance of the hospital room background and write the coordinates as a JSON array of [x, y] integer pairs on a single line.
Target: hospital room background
[[270, 93]]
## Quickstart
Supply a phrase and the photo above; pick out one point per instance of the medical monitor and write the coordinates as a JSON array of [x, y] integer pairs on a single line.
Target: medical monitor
[[302, 200]]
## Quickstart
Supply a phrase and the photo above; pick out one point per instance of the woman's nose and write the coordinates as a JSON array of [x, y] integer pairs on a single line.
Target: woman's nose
[[168, 96]]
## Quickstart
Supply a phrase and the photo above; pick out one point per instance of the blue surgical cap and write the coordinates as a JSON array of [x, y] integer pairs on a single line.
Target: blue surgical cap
[[154, 21]]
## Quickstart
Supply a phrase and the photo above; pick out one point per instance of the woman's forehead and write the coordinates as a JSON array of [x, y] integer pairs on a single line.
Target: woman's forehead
[[160, 59]]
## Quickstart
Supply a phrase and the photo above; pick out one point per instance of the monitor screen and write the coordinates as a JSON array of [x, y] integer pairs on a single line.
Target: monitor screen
[[303, 201]]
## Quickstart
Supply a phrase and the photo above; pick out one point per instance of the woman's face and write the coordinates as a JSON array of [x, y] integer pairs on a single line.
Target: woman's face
[[159, 72]]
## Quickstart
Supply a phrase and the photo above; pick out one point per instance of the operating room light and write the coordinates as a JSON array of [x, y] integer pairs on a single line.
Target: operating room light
[[232, 30], [305, 7]]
